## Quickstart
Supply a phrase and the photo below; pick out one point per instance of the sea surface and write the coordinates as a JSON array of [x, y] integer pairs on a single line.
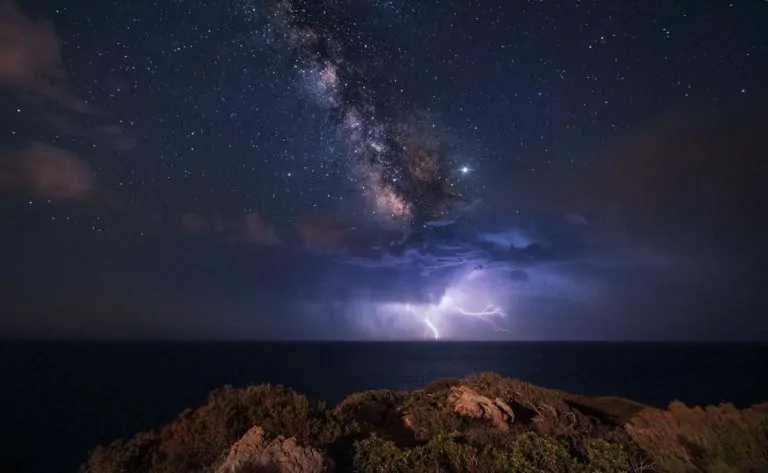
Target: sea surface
[[59, 400]]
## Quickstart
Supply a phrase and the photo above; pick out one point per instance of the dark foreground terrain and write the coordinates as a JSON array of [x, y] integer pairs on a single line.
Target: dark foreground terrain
[[481, 423]]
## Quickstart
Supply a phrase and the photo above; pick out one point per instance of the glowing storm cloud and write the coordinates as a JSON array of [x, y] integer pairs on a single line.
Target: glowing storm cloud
[[467, 297]]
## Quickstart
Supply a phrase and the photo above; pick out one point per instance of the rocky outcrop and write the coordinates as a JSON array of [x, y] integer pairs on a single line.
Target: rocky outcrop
[[468, 402], [253, 454]]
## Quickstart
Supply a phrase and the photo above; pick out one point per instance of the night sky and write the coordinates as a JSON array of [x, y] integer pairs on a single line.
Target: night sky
[[384, 169]]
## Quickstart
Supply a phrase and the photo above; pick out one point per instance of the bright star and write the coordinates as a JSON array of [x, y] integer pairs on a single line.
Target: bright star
[[465, 169]]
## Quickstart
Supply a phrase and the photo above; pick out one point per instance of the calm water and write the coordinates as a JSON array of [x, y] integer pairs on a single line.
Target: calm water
[[61, 399]]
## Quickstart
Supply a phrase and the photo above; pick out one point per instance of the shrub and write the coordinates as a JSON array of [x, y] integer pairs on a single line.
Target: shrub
[[278, 410], [445, 454], [711, 439], [134, 455], [532, 453], [375, 455], [528, 453], [441, 384], [606, 457], [440, 454], [348, 408], [430, 415], [198, 440]]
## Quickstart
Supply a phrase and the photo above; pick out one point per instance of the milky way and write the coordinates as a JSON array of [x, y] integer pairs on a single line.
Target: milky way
[[408, 175]]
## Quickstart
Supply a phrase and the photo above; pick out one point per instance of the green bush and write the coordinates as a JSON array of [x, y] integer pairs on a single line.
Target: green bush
[[532, 453], [606, 457], [377, 396], [375, 455], [444, 453], [528, 453], [441, 454]]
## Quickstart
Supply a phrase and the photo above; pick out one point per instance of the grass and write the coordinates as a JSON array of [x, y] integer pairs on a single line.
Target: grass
[[385, 431]]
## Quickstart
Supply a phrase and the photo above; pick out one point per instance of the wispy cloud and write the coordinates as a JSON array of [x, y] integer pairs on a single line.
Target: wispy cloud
[[48, 172], [249, 227], [252, 227], [31, 60], [321, 233], [32, 67], [113, 136]]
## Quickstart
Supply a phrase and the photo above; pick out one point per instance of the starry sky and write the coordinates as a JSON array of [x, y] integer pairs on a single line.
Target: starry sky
[[383, 169]]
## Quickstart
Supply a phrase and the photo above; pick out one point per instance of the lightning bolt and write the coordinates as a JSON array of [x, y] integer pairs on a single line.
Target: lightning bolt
[[487, 315], [429, 314], [432, 327], [489, 311]]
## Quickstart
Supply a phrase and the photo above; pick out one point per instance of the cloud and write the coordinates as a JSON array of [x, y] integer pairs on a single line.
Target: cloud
[[193, 222], [31, 64], [30, 58], [321, 232], [697, 170], [254, 228], [114, 136], [457, 246], [250, 227], [695, 167], [32, 67], [48, 172]]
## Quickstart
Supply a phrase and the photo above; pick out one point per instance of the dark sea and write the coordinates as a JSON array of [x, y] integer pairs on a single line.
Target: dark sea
[[59, 400]]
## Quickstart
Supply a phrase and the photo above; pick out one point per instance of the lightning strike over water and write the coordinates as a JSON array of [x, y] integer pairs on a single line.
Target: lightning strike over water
[[432, 327], [441, 318], [487, 314]]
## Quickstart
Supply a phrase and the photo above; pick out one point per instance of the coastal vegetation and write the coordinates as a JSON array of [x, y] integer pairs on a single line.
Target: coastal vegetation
[[481, 424]]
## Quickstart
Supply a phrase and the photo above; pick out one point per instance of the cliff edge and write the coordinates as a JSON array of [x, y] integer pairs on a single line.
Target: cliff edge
[[483, 423]]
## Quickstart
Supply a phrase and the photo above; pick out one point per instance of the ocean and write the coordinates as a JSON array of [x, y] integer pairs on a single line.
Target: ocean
[[59, 399]]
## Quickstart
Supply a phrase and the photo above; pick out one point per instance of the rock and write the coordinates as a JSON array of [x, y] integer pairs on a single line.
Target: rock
[[253, 454], [468, 402]]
